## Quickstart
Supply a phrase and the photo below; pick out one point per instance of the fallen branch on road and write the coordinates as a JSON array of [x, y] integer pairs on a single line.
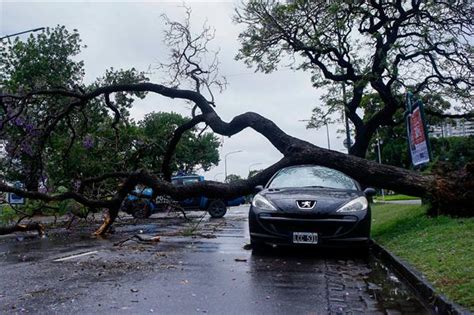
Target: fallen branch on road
[[34, 226]]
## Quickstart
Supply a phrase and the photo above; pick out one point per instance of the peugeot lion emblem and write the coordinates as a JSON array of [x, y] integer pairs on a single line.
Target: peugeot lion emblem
[[306, 204]]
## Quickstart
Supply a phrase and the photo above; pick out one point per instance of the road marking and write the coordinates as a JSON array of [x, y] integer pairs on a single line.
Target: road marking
[[75, 256]]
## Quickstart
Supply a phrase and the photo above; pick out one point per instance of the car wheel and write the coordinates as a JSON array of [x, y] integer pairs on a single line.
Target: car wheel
[[142, 210], [217, 209], [257, 245]]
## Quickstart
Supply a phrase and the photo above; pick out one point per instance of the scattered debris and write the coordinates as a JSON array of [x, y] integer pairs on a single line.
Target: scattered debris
[[75, 256], [241, 259], [140, 238]]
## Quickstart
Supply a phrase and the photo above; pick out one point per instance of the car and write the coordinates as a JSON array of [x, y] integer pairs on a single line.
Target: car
[[140, 205], [310, 205], [217, 208]]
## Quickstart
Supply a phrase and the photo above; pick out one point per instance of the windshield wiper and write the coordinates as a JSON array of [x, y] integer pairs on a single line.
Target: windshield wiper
[[319, 187]]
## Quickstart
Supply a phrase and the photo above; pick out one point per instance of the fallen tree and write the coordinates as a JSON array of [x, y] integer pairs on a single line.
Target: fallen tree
[[448, 194], [30, 119]]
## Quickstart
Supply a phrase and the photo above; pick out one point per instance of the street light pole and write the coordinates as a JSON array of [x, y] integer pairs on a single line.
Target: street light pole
[[225, 163], [28, 31], [327, 131], [348, 131], [380, 161]]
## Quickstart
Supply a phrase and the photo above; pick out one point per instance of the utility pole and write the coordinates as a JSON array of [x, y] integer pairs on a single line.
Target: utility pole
[[380, 160], [348, 131], [344, 97], [327, 131]]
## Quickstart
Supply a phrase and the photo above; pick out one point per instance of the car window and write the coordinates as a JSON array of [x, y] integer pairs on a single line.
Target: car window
[[312, 176], [188, 181], [176, 181]]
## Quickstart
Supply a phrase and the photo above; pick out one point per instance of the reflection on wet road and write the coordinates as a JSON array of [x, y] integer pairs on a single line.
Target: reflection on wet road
[[182, 275]]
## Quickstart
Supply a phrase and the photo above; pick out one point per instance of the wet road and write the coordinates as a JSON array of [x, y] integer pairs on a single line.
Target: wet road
[[182, 274]]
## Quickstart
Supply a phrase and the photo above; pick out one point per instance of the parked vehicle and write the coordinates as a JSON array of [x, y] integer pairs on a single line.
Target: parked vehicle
[[310, 205], [141, 205], [217, 208]]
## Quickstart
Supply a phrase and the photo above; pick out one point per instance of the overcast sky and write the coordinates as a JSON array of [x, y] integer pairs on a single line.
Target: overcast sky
[[129, 34]]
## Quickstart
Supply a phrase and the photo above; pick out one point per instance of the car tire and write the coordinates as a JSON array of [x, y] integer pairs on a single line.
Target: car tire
[[217, 209], [258, 246], [142, 210]]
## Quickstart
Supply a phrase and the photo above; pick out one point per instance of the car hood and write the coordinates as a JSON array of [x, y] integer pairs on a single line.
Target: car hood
[[327, 200]]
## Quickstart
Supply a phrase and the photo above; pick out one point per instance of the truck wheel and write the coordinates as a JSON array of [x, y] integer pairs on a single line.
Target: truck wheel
[[217, 209], [142, 210]]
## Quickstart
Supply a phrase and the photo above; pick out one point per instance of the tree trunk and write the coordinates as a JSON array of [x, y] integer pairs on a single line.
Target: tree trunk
[[359, 148]]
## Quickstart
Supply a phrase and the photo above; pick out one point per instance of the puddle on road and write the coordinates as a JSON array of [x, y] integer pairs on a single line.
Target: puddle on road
[[390, 292], [34, 249]]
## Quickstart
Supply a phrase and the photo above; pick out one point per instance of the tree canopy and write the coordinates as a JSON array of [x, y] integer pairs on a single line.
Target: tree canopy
[[194, 151], [46, 142], [383, 47]]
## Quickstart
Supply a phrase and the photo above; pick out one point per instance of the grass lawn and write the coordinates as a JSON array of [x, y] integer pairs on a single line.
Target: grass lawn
[[396, 197], [441, 248]]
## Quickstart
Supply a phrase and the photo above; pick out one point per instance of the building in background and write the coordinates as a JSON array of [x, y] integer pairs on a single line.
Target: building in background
[[452, 128]]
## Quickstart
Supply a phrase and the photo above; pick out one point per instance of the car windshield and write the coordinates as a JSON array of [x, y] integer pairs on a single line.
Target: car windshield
[[184, 180], [312, 176]]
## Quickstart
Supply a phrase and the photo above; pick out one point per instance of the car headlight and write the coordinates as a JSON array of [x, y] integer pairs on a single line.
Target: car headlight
[[261, 202], [358, 204]]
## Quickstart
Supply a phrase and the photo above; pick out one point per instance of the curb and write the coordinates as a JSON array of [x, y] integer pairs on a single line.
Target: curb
[[438, 303]]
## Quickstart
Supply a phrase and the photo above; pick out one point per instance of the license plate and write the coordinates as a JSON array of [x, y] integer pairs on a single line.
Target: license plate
[[305, 238]]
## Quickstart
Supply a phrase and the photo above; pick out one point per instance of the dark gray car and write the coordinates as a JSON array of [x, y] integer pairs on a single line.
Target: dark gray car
[[310, 205]]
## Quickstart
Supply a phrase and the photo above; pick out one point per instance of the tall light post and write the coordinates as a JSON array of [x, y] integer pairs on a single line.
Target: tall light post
[[253, 164], [327, 131], [344, 95], [225, 162], [379, 142], [346, 119], [24, 32]]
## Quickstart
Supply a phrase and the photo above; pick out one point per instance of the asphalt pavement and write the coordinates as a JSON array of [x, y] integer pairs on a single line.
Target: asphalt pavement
[[194, 268]]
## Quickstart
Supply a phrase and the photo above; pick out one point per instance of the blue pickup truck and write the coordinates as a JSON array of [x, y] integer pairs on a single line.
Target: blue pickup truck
[[145, 207]]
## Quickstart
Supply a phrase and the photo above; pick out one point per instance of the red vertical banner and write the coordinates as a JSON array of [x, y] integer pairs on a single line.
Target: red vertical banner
[[417, 137]]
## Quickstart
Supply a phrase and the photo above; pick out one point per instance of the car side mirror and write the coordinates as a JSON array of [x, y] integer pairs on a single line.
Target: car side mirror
[[258, 188], [369, 192]]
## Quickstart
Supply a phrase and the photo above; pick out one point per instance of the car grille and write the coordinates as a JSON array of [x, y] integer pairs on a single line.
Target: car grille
[[329, 226]]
